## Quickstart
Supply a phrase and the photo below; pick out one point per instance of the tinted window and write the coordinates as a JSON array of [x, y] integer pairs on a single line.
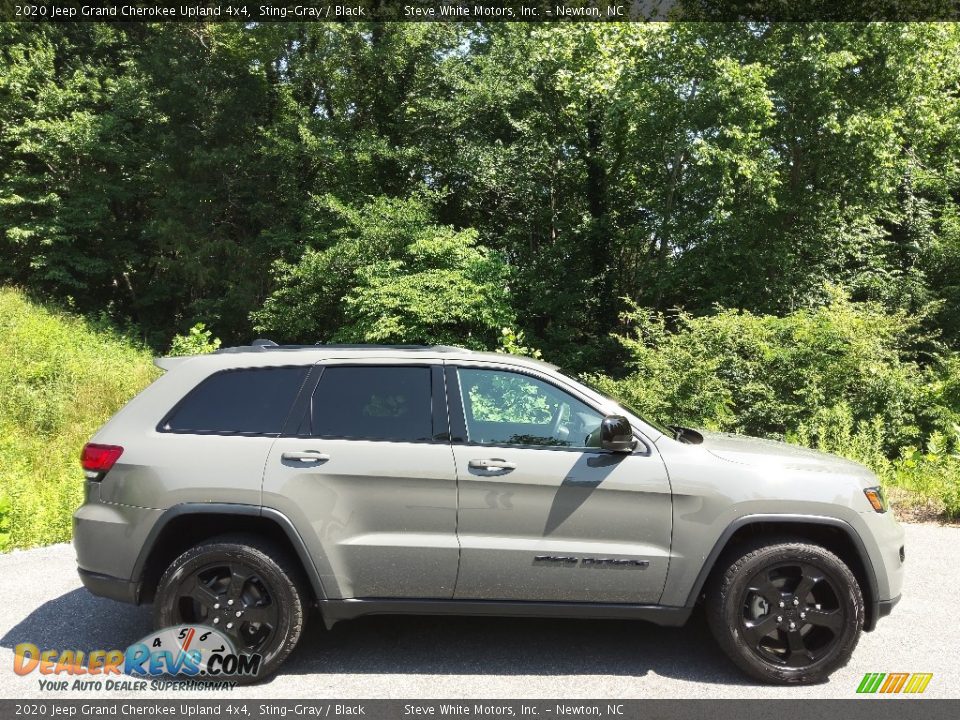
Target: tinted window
[[254, 401], [503, 407], [373, 403]]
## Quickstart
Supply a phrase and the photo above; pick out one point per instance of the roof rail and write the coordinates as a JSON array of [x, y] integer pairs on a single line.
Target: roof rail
[[258, 344], [375, 346], [263, 344]]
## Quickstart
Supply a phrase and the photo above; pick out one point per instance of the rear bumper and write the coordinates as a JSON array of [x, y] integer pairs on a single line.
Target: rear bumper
[[111, 587], [108, 539]]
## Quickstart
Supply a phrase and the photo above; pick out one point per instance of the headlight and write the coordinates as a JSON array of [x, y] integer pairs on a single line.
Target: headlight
[[876, 498]]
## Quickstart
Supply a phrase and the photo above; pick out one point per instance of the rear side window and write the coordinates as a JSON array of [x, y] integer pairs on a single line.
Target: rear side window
[[253, 401], [374, 403]]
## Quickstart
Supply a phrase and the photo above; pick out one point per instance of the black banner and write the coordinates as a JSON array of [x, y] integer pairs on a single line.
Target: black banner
[[480, 11], [873, 709]]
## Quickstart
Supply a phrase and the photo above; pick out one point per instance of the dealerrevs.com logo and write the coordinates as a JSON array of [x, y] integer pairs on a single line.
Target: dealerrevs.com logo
[[193, 651], [893, 683]]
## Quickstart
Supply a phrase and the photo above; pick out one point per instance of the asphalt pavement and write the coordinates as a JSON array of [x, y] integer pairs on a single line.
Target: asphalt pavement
[[42, 602]]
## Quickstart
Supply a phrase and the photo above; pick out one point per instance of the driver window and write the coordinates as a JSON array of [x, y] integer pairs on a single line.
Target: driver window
[[508, 408]]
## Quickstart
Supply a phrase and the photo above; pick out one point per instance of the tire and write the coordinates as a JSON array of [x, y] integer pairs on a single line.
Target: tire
[[230, 572], [800, 642]]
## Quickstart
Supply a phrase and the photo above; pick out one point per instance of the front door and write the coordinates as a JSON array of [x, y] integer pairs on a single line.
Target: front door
[[369, 478], [545, 514]]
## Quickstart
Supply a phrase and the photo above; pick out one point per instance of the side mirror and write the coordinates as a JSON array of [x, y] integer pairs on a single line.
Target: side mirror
[[616, 434]]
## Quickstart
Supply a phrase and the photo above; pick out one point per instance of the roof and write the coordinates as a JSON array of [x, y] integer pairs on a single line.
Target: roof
[[267, 352]]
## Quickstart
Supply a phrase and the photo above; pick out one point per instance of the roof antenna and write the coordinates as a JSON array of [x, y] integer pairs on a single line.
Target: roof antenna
[[263, 343]]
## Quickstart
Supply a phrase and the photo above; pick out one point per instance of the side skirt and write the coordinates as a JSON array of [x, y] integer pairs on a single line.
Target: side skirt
[[335, 610]]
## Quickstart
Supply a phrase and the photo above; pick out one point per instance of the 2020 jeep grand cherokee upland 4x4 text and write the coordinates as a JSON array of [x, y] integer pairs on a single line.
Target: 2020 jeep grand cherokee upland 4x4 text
[[244, 487]]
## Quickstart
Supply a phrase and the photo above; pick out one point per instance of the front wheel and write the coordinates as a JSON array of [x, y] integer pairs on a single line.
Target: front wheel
[[786, 612], [242, 586]]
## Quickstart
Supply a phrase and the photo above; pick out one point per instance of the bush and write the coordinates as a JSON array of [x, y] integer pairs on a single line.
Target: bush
[[61, 377], [197, 341], [839, 378], [443, 289], [389, 274], [931, 475]]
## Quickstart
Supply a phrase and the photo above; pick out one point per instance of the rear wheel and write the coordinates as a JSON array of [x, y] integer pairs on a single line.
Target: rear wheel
[[786, 612], [242, 586]]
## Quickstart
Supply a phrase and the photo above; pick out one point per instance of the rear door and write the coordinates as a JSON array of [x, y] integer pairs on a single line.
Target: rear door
[[368, 477], [545, 514]]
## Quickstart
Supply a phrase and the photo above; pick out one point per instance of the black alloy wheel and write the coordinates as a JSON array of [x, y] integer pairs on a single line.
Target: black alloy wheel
[[792, 614], [245, 587], [785, 610], [232, 598]]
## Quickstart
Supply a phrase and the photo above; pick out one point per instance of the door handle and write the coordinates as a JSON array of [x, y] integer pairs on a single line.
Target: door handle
[[492, 464], [307, 456]]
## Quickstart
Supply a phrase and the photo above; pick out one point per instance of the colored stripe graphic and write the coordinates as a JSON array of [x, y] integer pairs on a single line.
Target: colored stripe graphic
[[918, 682], [870, 682], [893, 683]]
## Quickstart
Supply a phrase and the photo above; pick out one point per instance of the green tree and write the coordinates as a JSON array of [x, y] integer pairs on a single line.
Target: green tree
[[391, 275]]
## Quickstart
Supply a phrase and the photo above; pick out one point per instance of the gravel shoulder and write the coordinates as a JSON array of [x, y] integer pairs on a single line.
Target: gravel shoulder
[[42, 602]]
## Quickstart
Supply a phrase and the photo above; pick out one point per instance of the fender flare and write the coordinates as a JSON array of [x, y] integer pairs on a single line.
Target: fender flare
[[232, 509], [873, 609]]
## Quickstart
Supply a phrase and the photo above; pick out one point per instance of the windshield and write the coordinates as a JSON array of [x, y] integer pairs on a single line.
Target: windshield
[[633, 411]]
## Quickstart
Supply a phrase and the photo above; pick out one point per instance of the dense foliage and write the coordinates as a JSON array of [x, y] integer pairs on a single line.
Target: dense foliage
[[224, 174], [390, 275], [833, 377], [683, 200]]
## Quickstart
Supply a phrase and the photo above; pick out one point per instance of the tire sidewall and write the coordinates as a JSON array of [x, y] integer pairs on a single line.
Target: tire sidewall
[[727, 626], [280, 586]]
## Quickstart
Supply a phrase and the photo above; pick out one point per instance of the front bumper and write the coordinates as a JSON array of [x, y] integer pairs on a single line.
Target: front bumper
[[884, 539]]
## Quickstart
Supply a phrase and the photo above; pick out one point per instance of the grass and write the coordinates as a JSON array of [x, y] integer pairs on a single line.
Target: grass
[[926, 486], [61, 377]]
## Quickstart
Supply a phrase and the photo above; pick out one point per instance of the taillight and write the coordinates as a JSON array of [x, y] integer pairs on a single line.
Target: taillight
[[97, 459]]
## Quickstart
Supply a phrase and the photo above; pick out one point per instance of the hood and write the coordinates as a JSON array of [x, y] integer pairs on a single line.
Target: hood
[[757, 452]]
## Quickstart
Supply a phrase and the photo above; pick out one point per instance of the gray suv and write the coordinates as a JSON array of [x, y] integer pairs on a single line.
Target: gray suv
[[246, 487]]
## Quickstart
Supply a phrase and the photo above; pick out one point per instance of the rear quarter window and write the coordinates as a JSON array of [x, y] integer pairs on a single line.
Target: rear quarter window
[[252, 401]]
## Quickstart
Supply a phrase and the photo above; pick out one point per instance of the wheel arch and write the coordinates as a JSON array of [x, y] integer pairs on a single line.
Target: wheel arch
[[834, 534], [183, 526]]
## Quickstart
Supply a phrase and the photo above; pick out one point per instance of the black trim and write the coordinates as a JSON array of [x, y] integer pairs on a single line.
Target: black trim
[[885, 607], [438, 405], [872, 611], [558, 448], [107, 586], [299, 547], [301, 404], [335, 610], [312, 395], [230, 509], [458, 423]]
